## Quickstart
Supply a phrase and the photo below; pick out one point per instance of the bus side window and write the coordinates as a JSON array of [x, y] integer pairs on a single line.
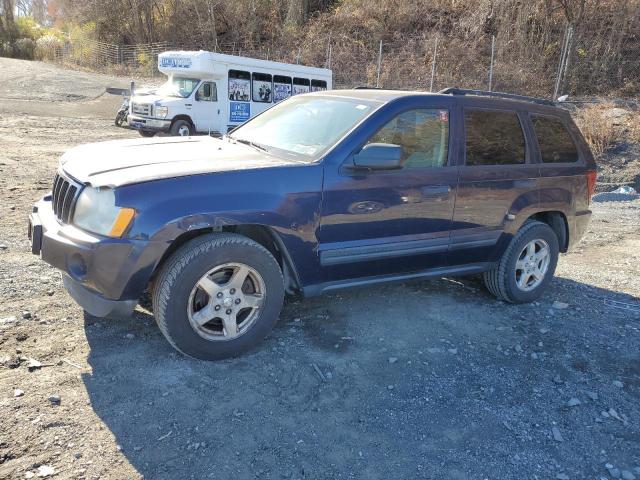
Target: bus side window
[[261, 87], [281, 88], [300, 85], [318, 85], [239, 86]]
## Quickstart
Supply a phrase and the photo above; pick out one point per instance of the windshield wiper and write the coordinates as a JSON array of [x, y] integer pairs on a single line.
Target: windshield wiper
[[250, 143]]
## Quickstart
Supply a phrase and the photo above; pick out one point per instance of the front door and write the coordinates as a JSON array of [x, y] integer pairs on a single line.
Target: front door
[[205, 110], [395, 221]]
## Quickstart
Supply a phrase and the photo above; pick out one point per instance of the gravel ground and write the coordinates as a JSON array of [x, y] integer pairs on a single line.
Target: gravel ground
[[433, 380]]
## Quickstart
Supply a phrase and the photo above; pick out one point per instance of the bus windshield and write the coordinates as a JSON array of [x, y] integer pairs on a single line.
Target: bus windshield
[[177, 87], [306, 126]]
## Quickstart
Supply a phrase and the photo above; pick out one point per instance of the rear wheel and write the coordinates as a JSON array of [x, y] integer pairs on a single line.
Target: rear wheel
[[218, 296], [527, 266], [181, 128]]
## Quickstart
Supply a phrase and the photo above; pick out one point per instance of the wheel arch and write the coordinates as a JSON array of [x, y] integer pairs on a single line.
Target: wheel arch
[[183, 117], [261, 234], [557, 220]]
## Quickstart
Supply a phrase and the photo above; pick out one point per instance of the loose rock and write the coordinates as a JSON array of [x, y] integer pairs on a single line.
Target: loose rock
[[46, 471], [55, 399], [560, 305], [557, 436], [393, 359], [18, 393], [627, 475], [573, 402], [618, 383]]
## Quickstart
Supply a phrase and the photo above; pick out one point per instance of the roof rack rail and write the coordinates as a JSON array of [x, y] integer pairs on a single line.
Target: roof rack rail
[[484, 93], [366, 87]]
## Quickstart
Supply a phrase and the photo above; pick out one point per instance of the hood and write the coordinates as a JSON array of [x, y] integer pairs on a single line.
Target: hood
[[122, 162], [152, 98]]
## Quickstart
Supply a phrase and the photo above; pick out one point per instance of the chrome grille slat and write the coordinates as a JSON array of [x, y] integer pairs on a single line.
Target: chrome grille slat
[[66, 203], [144, 109], [64, 195], [60, 199]]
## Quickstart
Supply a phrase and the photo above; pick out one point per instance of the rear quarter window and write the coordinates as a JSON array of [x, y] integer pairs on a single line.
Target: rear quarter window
[[494, 138], [554, 141]]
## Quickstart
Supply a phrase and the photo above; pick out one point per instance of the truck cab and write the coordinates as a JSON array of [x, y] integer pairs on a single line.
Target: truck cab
[[211, 93]]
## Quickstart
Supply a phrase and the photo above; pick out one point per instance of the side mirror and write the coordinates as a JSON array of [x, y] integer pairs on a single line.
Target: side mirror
[[207, 90], [379, 156]]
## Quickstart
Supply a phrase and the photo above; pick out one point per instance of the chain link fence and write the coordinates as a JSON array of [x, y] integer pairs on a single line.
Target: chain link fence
[[564, 66]]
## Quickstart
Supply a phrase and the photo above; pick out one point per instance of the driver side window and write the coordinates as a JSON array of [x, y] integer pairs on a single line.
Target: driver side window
[[423, 135], [207, 92]]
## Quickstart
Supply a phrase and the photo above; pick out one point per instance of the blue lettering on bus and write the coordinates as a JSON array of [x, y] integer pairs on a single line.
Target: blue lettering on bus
[[174, 62], [239, 111]]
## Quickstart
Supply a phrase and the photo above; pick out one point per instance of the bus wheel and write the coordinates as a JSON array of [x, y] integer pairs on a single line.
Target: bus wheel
[[181, 128]]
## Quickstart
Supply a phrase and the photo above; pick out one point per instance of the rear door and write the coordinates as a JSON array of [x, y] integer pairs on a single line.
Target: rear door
[[498, 181]]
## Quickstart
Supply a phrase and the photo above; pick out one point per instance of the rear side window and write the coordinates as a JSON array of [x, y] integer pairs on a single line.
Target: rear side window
[[556, 145], [261, 87], [318, 85], [301, 85], [423, 135], [239, 85], [493, 138]]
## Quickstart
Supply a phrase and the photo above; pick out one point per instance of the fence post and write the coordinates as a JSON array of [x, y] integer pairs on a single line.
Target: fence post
[[329, 59], [433, 64], [298, 57], [493, 47], [379, 65], [564, 58]]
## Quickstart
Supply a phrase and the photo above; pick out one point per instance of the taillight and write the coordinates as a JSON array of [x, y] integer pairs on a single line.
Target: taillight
[[591, 184]]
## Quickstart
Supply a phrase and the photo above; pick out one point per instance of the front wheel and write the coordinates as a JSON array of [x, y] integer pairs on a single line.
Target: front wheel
[[181, 128], [218, 296], [146, 133], [527, 265]]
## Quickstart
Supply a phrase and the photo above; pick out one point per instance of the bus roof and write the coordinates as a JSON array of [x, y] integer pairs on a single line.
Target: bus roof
[[239, 62]]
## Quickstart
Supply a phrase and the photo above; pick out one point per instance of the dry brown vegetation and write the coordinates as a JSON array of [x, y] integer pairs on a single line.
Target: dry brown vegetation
[[604, 56], [603, 125]]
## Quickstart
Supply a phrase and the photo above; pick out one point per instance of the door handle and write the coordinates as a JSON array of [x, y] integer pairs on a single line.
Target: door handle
[[436, 191]]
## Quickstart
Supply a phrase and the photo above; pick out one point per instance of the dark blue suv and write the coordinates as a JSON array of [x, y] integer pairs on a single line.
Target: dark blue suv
[[323, 191]]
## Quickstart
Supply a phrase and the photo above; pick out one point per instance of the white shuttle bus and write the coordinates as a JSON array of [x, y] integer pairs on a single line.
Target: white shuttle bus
[[213, 93]]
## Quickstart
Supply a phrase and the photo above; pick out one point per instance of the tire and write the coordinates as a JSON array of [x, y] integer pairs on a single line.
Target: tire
[[178, 287], [503, 280], [120, 118], [179, 128], [147, 133]]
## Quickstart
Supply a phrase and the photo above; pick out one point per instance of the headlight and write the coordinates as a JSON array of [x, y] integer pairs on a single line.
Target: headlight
[[96, 212], [162, 112]]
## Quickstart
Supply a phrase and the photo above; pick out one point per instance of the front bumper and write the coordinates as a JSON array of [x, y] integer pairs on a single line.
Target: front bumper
[[149, 124], [103, 275]]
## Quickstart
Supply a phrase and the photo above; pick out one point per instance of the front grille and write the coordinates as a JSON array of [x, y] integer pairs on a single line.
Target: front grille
[[64, 196], [144, 109]]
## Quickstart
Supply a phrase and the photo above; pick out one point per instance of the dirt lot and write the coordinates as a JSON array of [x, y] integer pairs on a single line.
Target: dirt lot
[[433, 380]]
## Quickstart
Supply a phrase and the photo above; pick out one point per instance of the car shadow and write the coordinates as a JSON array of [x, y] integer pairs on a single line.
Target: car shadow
[[420, 380]]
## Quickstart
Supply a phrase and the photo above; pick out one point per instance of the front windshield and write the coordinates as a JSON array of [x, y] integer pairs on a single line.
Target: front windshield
[[306, 126], [177, 87]]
